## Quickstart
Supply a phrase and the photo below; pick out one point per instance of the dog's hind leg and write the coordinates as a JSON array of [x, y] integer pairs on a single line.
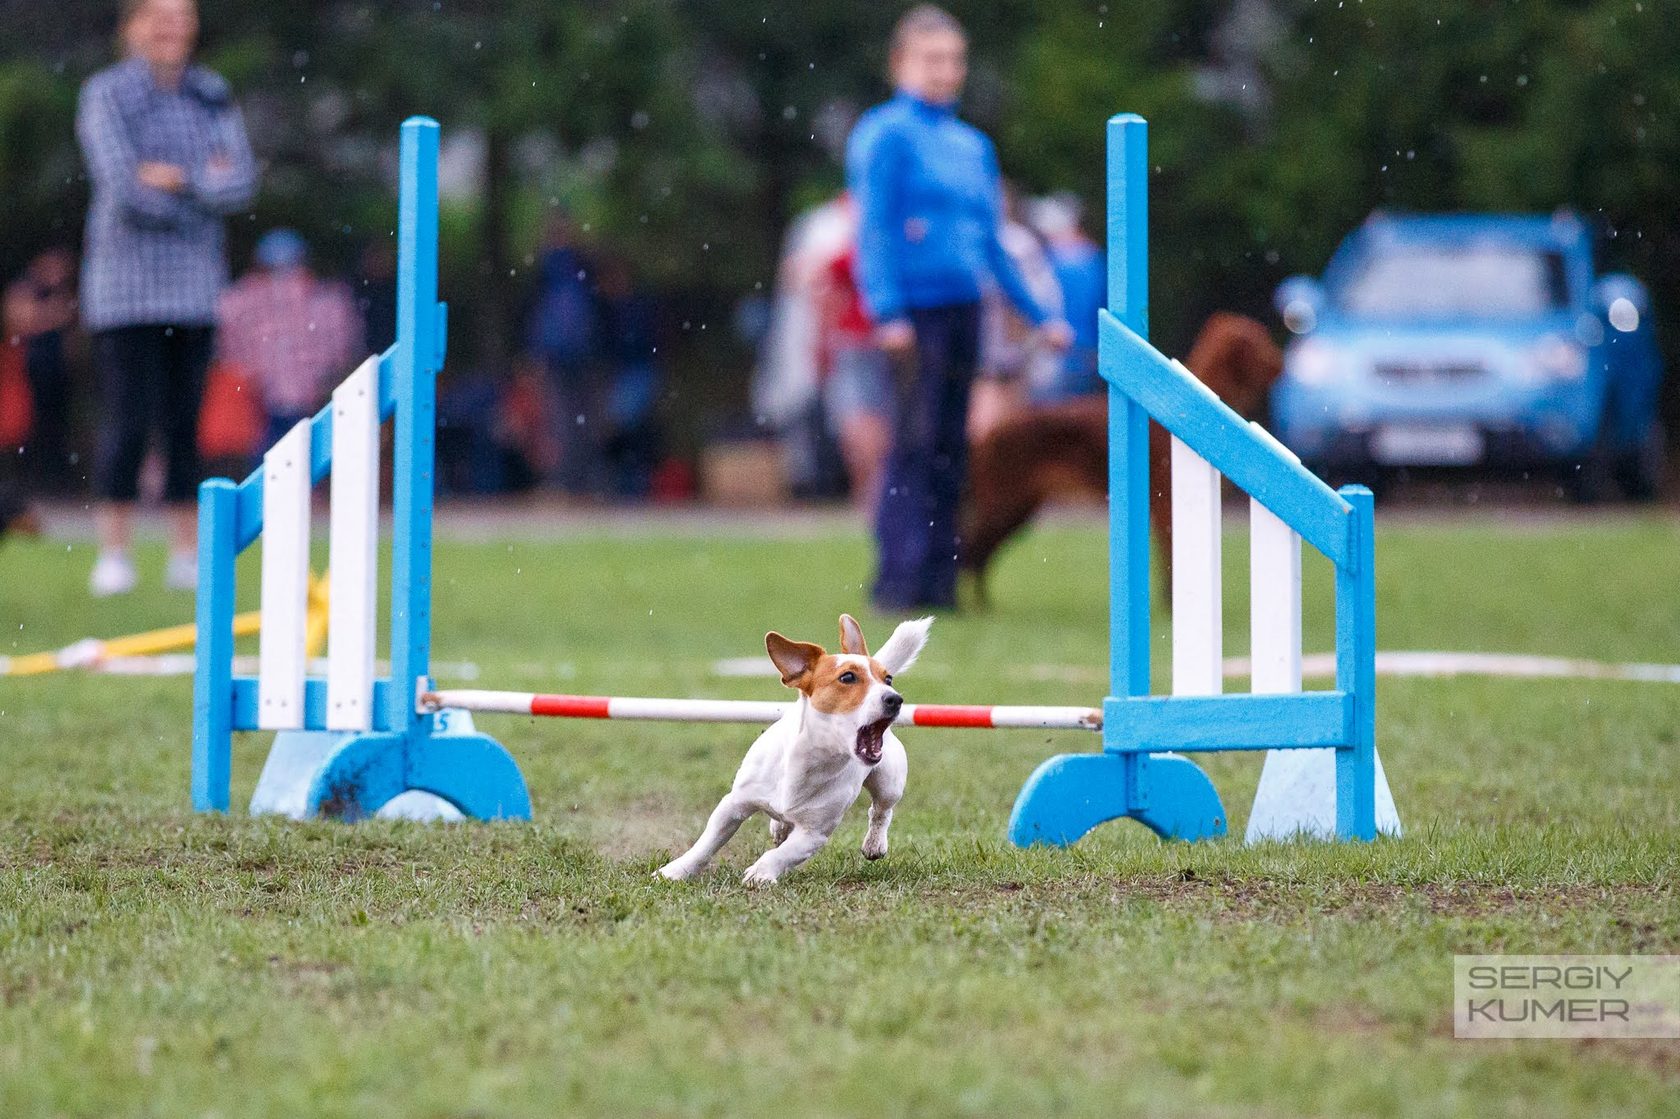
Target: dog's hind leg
[[800, 845], [725, 819]]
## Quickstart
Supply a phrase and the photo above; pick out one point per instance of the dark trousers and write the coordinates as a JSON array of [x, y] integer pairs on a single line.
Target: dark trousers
[[151, 378], [916, 521], [276, 425], [576, 389], [49, 388]]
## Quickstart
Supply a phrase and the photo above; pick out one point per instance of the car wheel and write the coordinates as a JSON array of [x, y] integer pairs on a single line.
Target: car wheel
[[1586, 480], [1640, 471]]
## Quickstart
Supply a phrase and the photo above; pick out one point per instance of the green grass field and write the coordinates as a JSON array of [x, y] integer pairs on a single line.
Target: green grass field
[[154, 962]]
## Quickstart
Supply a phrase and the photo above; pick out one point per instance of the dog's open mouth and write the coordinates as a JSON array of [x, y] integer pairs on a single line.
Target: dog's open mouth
[[869, 740]]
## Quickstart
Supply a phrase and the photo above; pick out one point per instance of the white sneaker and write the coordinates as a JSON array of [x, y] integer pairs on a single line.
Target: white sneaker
[[113, 573], [182, 572]]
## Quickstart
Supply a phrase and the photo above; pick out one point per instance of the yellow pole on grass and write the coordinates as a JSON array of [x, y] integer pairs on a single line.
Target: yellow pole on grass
[[91, 651]]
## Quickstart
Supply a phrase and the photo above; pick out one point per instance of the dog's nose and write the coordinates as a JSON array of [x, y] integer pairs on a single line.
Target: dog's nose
[[892, 701]]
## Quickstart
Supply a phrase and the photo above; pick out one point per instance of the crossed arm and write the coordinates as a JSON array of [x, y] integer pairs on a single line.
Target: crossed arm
[[157, 195]]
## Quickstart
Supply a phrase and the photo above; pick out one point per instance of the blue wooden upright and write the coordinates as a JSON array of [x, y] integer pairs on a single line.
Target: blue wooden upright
[[1141, 773], [352, 774]]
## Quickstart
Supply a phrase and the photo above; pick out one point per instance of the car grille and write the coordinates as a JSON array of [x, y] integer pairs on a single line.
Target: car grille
[[1428, 372]]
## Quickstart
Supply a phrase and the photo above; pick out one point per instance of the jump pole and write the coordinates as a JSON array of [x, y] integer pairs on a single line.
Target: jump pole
[[650, 710]]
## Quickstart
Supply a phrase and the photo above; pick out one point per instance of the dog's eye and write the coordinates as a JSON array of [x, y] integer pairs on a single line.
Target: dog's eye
[[887, 680], [848, 677]]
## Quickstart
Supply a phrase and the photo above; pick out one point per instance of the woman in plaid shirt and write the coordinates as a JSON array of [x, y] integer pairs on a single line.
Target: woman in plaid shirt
[[168, 159]]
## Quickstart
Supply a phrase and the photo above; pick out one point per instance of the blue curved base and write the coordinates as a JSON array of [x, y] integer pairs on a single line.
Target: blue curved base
[[1070, 794], [469, 770]]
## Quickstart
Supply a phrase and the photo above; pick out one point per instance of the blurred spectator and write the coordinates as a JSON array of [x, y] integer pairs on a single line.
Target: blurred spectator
[[788, 380], [168, 159], [15, 514], [376, 295], [856, 376], [1011, 359], [231, 422], [927, 188], [294, 335], [561, 331], [472, 457], [40, 307], [1081, 273], [632, 442]]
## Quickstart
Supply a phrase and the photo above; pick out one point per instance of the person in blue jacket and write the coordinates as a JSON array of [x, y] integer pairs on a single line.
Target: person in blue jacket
[[929, 198], [1082, 273]]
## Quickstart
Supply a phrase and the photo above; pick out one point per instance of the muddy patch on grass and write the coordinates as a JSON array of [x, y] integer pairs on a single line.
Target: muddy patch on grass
[[1240, 899], [649, 825], [1656, 1055], [1227, 899]]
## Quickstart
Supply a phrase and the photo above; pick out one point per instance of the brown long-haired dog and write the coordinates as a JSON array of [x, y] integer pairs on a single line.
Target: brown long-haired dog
[[1045, 452]]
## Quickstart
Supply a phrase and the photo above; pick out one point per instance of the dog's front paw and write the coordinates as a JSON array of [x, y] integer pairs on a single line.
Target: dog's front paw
[[874, 847], [760, 875], [676, 871]]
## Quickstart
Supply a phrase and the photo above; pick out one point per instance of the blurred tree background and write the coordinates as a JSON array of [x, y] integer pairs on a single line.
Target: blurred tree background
[[684, 134]]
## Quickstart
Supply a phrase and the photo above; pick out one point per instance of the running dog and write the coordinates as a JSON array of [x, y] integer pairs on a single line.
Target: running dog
[[808, 768]]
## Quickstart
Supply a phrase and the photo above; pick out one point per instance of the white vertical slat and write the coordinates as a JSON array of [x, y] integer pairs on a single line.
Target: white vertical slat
[[354, 558], [285, 581], [1297, 792], [1197, 610], [1274, 573]]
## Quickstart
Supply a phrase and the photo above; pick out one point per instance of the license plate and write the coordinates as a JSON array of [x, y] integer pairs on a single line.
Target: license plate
[[1427, 445]]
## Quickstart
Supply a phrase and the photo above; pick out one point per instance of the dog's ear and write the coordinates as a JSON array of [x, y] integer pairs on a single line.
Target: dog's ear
[[793, 659], [904, 646], [851, 636]]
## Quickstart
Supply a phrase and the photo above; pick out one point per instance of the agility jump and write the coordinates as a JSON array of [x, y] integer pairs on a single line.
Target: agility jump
[[348, 744]]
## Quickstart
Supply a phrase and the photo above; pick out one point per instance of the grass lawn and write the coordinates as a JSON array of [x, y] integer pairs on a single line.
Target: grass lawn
[[154, 962]]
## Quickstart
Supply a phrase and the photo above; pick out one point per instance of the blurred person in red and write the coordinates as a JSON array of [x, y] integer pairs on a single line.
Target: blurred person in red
[[856, 376], [40, 308], [293, 334]]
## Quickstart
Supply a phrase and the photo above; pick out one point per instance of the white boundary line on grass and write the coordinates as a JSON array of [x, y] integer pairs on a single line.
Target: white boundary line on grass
[[1321, 665]]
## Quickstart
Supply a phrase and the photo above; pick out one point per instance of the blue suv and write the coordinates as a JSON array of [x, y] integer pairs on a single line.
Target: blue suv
[[1472, 341]]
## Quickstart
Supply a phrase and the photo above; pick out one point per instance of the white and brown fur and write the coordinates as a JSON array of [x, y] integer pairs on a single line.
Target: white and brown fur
[[808, 768]]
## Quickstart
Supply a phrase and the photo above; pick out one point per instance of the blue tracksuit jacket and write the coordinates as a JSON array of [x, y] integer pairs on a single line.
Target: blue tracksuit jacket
[[930, 208]]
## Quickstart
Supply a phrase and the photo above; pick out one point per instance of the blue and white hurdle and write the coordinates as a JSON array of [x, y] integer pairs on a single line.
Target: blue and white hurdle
[[348, 744], [1322, 776]]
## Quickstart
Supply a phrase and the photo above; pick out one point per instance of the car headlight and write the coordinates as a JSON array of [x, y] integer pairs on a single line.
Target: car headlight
[[1624, 315], [1300, 316], [1556, 358], [1313, 361]]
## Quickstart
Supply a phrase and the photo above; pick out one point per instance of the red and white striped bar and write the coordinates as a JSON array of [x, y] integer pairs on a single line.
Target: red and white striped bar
[[747, 711]]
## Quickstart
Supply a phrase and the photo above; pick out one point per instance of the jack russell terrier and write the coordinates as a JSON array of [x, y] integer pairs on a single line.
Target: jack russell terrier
[[807, 769]]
